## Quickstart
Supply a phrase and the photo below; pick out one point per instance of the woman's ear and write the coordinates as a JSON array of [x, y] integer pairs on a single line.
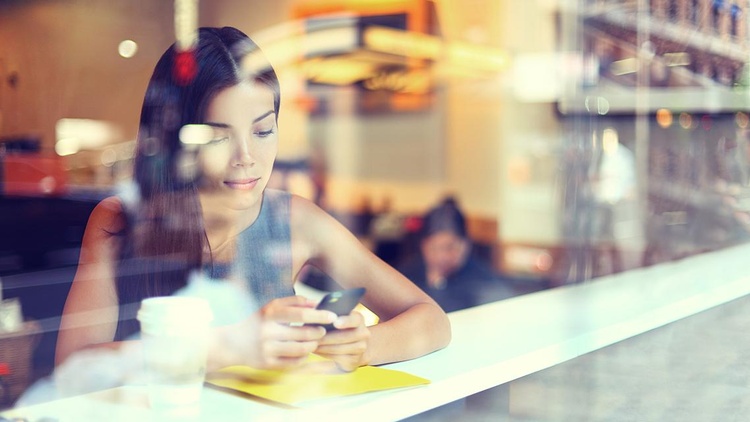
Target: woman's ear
[[465, 248]]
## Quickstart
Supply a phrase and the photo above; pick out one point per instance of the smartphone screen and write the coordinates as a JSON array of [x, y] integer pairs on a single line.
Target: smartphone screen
[[341, 302]]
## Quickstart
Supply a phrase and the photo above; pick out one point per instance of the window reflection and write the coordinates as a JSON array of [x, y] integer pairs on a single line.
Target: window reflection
[[582, 138]]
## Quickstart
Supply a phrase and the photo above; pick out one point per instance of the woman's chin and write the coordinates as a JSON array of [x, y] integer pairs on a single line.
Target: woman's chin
[[233, 199], [242, 201]]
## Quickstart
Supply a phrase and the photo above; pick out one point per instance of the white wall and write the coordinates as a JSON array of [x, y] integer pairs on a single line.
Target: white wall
[[399, 157], [65, 55]]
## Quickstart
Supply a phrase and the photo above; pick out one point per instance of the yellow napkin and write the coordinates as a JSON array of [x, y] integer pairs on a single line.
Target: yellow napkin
[[317, 379]]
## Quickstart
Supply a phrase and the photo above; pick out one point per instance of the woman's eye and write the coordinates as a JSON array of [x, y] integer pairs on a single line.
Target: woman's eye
[[264, 133], [217, 141]]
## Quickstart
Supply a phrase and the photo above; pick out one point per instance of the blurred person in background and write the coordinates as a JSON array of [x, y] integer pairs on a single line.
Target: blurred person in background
[[612, 202], [205, 152], [445, 266]]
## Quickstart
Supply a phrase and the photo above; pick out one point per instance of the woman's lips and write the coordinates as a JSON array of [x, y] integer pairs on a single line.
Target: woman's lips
[[243, 184]]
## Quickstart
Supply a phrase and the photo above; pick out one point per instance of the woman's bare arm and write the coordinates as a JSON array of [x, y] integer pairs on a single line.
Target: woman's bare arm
[[412, 324], [91, 309]]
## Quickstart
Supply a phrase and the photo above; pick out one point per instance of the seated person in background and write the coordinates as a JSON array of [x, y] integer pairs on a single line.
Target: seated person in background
[[202, 207], [445, 267]]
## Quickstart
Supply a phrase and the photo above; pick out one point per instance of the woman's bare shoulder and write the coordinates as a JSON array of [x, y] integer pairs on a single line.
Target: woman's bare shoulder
[[298, 202], [313, 222], [305, 212], [311, 228], [108, 215]]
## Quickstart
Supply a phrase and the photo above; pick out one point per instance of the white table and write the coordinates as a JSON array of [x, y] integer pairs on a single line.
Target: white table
[[492, 345]]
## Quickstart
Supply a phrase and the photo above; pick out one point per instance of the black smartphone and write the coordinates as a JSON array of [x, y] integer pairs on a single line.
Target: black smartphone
[[340, 302]]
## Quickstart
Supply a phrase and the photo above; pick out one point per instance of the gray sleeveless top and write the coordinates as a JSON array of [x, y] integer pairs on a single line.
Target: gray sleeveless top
[[263, 259], [264, 252]]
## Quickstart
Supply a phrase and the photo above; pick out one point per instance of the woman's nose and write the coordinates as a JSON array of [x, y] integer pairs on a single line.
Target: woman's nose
[[243, 155]]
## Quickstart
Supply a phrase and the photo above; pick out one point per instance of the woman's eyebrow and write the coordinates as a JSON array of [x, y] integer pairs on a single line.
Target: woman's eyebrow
[[226, 126], [219, 125], [263, 116]]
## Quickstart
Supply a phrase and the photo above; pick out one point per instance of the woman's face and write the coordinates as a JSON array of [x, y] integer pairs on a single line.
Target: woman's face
[[236, 164], [444, 252]]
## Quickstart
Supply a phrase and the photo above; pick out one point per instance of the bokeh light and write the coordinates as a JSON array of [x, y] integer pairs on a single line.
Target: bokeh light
[[196, 134], [664, 117], [602, 105], [686, 120], [127, 48], [742, 120], [67, 146], [108, 157]]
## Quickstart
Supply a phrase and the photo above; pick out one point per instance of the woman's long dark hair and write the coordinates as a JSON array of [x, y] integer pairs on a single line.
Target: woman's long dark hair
[[164, 235]]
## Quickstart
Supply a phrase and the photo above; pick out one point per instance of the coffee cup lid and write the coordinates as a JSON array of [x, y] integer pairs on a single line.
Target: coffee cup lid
[[175, 310]]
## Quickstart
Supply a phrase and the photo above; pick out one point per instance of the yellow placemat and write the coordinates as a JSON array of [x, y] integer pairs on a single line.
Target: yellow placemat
[[317, 379]]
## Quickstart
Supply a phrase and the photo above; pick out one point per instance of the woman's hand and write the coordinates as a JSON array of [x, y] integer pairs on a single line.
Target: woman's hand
[[275, 337], [348, 346]]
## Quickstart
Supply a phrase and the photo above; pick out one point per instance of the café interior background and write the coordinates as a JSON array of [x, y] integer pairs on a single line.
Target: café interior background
[[582, 138]]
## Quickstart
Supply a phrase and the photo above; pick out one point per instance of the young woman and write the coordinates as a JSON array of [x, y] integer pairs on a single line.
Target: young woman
[[206, 147]]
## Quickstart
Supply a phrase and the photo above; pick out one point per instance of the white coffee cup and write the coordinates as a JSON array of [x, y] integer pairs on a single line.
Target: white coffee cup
[[175, 335], [11, 316]]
